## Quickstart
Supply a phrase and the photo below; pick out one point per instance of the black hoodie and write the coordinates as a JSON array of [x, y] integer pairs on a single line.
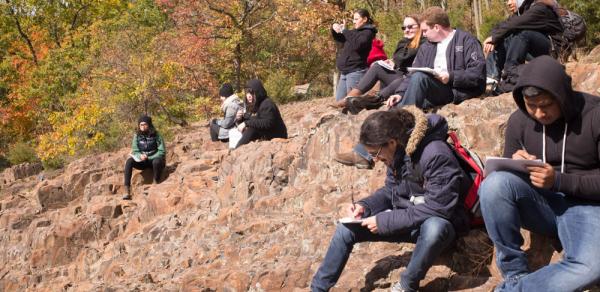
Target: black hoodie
[[356, 47], [538, 17], [267, 119], [580, 117]]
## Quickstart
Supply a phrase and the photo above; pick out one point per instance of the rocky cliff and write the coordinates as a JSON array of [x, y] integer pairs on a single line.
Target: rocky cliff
[[258, 218]]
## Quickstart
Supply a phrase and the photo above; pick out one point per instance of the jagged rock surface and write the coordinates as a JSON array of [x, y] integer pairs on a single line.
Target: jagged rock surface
[[255, 219]]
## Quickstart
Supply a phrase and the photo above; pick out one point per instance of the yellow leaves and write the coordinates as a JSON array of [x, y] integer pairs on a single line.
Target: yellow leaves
[[73, 132]]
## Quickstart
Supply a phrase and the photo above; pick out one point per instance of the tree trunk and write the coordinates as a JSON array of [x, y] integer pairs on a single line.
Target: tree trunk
[[238, 66]]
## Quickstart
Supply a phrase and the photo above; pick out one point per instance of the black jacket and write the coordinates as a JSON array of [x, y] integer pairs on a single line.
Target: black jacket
[[441, 182], [356, 45], [403, 55], [267, 118], [466, 65], [539, 17], [580, 116]]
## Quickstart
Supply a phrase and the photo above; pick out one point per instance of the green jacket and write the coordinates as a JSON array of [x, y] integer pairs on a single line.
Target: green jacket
[[154, 147]]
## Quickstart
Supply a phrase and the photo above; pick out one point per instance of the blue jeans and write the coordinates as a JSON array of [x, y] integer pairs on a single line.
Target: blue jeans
[[347, 82], [509, 202], [432, 237], [426, 91]]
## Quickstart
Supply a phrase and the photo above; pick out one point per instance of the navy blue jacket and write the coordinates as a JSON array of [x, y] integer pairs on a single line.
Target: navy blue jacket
[[466, 65], [441, 181], [356, 45]]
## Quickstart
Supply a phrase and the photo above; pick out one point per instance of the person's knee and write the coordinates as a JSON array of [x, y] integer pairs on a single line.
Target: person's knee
[[495, 187], [436, 230], [343, 234], [158, 162], [419, 78], [129, 163]]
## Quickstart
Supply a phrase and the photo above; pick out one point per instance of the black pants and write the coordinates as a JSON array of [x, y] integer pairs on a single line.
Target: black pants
[[249, 135], [390, 80], [156, 164], [513, 50]]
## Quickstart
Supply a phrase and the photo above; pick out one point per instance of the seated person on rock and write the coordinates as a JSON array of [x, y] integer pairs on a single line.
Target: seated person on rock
[[456, 57], [262, 120], [526, 32], [231, 103], [425, 205], [147, 151], [560, 199], [403, 57]]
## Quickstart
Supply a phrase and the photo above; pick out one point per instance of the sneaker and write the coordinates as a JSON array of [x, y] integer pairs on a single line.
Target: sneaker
[[397, 287], [353, 159]]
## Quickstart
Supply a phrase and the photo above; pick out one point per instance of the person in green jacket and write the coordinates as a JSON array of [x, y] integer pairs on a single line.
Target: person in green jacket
[[147, 151]]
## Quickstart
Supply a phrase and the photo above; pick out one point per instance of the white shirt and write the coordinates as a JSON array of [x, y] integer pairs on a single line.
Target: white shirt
[[440, 64]]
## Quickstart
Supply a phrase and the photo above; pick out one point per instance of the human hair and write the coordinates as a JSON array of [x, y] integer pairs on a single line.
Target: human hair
[[250, 107], [381, 127], [531, 91], [435, 15], [365, 13], [148, 120], [414, 43]]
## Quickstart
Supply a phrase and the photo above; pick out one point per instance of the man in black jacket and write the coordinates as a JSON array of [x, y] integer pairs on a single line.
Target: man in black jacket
[[560, 199], [262, 119], [526, 31], [456, 58]]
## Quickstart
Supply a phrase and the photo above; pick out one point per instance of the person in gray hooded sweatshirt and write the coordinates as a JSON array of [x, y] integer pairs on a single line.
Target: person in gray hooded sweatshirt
[[561, 199]]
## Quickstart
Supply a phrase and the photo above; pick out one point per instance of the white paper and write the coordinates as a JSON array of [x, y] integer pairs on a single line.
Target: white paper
[[494, 163], [350, 220], [385, 65], [135, 157], [234, 137], [422, 69]]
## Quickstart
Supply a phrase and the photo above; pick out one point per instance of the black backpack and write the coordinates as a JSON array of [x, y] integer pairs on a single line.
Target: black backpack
[[574, 30]]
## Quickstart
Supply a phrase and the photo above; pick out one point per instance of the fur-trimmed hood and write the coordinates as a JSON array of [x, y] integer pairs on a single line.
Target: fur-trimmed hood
[[427, 128]]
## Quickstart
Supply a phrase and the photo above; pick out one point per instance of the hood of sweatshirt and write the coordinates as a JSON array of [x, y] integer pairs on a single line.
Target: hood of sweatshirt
[[260, 93], [548, 74]]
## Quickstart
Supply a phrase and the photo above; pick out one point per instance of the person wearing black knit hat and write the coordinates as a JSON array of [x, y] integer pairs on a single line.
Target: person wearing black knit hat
[[147, 151], [231, 103]]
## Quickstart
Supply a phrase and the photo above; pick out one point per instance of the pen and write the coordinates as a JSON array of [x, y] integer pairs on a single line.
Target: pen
[[352, 197], [522, 146]]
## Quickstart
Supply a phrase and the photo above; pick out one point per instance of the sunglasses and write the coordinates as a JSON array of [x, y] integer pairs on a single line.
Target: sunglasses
[[409, 27], [376, 156]]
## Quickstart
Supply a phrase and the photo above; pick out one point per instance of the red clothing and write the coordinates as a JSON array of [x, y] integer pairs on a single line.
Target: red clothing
[[377, 53]]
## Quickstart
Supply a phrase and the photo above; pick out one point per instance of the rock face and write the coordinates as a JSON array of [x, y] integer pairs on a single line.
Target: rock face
[[257, 218]]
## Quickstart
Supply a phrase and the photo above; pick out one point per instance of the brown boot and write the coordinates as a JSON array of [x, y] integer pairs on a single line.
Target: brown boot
[[353, 159], [354, 92], [338, 104]]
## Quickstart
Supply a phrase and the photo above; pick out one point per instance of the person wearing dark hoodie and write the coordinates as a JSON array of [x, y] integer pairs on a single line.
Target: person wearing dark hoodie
[[147, 151], [527, 31], [262, 120], [422, 189], [456, 58], [355, 46], [561, 199]]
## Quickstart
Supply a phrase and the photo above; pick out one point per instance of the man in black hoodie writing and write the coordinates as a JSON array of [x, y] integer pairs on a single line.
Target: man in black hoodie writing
[[561, 199]]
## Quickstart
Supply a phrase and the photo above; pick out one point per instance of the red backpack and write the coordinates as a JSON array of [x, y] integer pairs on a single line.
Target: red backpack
[[471, 164]]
